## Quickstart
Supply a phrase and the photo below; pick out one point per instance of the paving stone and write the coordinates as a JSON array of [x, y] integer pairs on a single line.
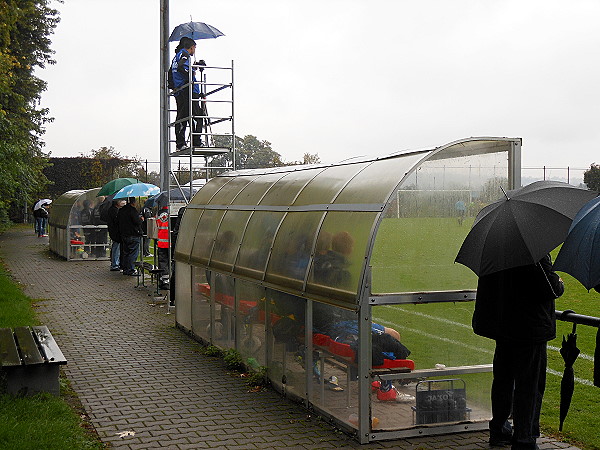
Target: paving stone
[[134, 370]]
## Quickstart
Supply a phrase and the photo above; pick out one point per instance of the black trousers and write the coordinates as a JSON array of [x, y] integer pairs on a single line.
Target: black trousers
[[518, 386], [183, 111]]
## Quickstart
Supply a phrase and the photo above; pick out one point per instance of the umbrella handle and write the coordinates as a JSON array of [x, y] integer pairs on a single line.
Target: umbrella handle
[[564, 315]]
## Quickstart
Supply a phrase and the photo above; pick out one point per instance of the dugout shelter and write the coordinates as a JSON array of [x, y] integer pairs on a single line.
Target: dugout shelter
[[298, 268], [73, 231]]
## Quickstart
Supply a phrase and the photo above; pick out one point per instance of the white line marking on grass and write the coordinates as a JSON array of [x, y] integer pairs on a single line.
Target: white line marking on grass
[[478, 349], [439, 319], [462, 325], [581, 355], [577, 379]]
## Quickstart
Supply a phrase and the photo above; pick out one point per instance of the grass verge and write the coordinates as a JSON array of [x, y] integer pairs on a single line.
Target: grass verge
[[43, 420]]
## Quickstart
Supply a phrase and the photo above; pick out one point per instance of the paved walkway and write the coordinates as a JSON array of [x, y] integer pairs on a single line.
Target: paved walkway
[[135, 372]]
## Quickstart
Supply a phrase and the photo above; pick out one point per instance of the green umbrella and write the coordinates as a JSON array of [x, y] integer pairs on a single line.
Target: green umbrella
[[115, 186]]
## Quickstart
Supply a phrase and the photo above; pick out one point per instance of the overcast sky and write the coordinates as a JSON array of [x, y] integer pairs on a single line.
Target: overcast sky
[[341, 77]]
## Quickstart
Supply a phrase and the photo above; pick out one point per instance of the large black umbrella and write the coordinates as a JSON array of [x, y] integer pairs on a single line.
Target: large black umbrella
[[522, 227], [580, 254], [569, 352]]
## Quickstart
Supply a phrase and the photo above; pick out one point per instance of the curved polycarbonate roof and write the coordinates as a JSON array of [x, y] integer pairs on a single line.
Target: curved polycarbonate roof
[[311, 230], [65, 205]]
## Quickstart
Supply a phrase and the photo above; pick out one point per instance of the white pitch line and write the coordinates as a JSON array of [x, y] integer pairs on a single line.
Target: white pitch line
[[462, 325], [472, 347]]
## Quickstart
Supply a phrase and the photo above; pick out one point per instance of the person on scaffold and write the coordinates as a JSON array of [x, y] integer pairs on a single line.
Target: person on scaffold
[[178, 77]]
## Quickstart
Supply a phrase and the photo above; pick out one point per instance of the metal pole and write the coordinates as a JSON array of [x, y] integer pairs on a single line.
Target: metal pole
[[233, 151], [164, 98]]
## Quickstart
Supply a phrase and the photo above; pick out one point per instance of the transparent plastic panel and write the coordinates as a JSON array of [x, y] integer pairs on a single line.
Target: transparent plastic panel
[[251, 324], [340, 254], [228, 239], [427, 220], [286, 336], [205, 236], [201, 310], [377, 180], [288, 187], [187, 234], [60, 210], [257, 243], [327, 184], [87, 240], [292, 249], [223, 327], [254, 191], [442, 345], [203, 196], [183, 295], [228, 193], [335, 371]]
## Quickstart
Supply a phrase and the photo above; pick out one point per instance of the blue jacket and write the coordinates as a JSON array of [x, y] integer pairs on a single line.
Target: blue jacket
[[180, 69]]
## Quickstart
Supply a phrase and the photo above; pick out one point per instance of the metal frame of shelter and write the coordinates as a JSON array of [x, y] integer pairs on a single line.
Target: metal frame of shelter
[[248, 257], [67, 237]]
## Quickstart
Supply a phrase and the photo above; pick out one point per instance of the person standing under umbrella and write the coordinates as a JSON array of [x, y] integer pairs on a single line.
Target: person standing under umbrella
[[113, 231], [130, 231], [515, 307], [41, 220], [178, 77]]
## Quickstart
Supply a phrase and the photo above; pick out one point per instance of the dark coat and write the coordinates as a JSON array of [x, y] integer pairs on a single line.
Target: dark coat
[[129, 221], [113, 223], [518, 304]]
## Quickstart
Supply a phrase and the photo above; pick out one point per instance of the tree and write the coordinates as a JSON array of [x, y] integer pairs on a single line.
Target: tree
[[25, 27], [591, 177], [251, 153], [309, 158]]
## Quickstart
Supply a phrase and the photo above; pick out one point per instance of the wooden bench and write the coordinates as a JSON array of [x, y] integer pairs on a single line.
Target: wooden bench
[[29, 361]]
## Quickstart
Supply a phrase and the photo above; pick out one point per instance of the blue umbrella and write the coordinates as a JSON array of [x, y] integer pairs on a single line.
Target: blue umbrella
[[580, 254], [138, 190], [194, 30]]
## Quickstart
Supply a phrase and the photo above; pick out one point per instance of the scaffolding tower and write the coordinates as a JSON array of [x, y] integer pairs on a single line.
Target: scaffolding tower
[[209, 129]]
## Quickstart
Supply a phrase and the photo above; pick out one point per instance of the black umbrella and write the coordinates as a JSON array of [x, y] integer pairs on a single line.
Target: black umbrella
[[569, 352], [522, 227], [182, 194]]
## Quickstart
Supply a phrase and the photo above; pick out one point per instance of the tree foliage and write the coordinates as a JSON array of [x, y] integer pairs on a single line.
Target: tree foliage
[[25, 27], [251, 153], [591, 177], [91, 170]]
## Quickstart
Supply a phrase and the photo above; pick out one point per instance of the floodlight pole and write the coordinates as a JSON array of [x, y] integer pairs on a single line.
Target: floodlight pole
[[164, 100]]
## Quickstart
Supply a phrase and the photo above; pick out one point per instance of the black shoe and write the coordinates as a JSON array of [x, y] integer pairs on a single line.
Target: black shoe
[[114, 269], [180, 146], [500, 441], [131, 274]]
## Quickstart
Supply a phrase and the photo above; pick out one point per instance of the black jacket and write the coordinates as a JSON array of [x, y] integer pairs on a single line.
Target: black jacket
[[113, 223], [518, 304], [40, 212], [129, 221]]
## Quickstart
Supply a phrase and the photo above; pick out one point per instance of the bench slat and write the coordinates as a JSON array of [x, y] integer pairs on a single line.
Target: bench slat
[[49, 345], [9, 355], [28, 346]]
